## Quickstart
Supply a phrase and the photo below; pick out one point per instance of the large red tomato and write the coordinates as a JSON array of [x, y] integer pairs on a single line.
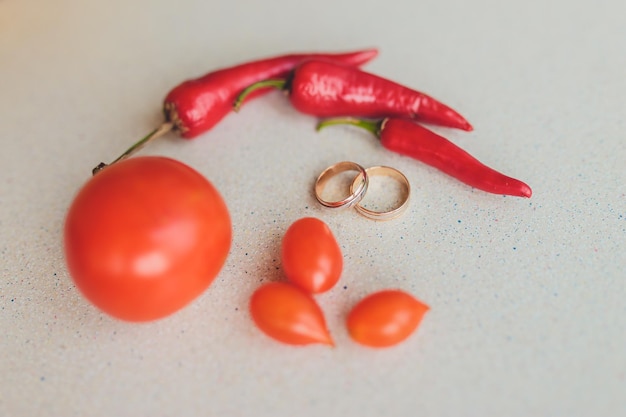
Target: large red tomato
[[146, 236]]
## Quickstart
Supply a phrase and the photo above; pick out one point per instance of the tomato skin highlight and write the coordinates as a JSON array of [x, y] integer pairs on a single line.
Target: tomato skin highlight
[[289, 314], [385, 318], [311, 256], [146, 236]]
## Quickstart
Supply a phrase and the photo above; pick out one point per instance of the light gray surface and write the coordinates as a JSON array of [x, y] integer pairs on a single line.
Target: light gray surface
[[528, 315]]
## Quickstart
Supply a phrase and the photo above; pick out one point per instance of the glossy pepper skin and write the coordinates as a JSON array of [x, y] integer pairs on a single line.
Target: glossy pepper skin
[[328, 89], [408, 138], [197, 105]]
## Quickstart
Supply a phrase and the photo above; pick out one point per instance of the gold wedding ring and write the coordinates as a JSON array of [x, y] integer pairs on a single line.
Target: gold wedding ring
[[395, 211], [357, 188]]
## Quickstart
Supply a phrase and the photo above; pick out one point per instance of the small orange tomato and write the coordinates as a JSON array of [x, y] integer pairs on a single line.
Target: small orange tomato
[[289, 315], [385, 318], [311, 256]]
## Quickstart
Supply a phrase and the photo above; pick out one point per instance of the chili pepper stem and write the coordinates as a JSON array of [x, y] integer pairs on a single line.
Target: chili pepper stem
[[373, 126], [158, 132], [277, 83]]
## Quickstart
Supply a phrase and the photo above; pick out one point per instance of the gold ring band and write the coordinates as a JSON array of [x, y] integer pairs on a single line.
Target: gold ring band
[[357, 188], [394, 212]]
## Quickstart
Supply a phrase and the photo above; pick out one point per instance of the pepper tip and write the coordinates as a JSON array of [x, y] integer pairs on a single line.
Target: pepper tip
[[526, 191]]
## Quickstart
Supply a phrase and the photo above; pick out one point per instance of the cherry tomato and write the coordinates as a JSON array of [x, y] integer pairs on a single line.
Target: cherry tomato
[[311, 256], [385, 318], [289, 315], [146, 236]]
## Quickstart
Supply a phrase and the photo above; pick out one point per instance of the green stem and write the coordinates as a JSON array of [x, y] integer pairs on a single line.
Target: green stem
[[159, 131], [277, 83], [372, 126]]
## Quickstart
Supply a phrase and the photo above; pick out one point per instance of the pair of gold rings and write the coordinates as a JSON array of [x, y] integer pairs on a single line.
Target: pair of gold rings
[[359, 186]]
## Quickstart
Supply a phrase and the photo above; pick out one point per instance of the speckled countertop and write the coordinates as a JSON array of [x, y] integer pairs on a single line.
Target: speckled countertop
[[528, 315]]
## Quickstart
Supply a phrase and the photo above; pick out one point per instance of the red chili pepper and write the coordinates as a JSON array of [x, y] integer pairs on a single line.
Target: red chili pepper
[[410, 139], [327, 89], [197, 105]]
